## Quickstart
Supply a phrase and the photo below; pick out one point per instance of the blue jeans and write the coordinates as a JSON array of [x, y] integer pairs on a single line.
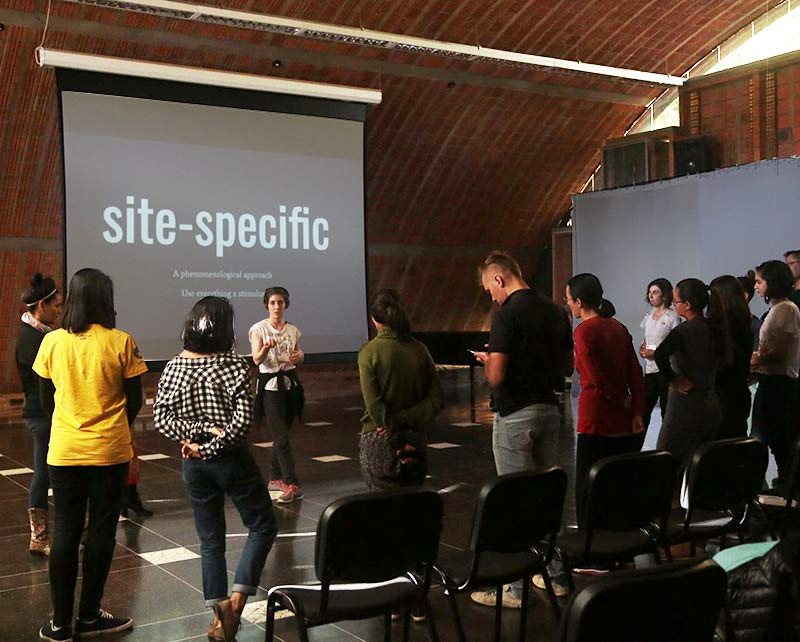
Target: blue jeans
[[40, 431], [207, 482], [525, 440]]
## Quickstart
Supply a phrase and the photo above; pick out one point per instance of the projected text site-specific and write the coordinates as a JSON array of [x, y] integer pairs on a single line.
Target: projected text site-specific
[[293, 228]]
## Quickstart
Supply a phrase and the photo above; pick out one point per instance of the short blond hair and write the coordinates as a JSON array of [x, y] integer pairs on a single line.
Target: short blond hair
[[503, 262]]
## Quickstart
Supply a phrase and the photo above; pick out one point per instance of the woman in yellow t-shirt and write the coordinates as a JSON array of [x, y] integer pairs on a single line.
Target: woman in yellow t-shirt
[[90, 379]]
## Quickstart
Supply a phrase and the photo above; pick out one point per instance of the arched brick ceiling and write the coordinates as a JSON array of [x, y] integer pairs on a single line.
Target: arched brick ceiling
[[451, 171]]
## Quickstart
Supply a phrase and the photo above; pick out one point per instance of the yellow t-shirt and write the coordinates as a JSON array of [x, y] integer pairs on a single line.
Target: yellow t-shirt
[[90, 427]]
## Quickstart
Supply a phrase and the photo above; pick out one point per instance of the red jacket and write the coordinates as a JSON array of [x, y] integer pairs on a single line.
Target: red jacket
[[612, 384]]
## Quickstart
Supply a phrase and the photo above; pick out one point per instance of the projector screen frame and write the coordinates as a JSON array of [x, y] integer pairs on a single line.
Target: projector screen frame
[[177, 92]]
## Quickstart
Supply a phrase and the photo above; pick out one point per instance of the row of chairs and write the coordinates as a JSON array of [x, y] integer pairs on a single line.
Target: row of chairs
[[376, 553]]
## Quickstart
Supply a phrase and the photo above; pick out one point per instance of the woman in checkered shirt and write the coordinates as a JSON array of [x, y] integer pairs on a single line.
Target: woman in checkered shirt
[[205, 403]]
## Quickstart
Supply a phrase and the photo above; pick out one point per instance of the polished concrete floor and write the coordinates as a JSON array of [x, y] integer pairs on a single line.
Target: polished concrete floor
[[155, 577]]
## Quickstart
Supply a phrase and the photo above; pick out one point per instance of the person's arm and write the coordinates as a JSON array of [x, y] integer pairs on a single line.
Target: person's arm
[[777, 341], [636, 386], [259, 348], [585, 356], [671, 344], [418, 417], [496, 364], [47, 393], [371, 392], [133, 397], [566, 357], [496, 359], [230, 434], [296, 356]]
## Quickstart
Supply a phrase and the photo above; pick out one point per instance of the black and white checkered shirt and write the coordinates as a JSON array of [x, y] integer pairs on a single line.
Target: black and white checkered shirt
[[196, 395]]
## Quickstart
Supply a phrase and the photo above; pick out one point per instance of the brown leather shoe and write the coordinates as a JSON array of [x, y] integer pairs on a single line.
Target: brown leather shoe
[[225, 624]]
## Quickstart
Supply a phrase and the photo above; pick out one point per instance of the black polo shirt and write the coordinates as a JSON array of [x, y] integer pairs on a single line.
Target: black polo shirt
[[535, 333]]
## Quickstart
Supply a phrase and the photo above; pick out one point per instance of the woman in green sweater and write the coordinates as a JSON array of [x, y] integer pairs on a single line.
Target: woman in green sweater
[[402, 395]]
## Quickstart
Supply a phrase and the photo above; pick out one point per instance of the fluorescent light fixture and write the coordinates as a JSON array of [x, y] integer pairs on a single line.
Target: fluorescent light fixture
[[370, 38], [195, 75]]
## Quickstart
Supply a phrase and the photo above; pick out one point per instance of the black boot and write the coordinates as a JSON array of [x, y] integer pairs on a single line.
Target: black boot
[[132, 501]]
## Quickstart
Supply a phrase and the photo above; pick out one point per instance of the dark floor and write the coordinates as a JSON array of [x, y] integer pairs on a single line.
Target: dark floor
[[155, 577]]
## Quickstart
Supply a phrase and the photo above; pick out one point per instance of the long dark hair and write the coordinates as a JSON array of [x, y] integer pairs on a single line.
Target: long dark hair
[[666, 291], [778, 276], [728, 312], [387, 309], [589, 290], [209, 327], [90, 299]]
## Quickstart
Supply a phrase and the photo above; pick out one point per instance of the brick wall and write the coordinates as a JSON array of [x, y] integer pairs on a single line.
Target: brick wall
[[748, 113]]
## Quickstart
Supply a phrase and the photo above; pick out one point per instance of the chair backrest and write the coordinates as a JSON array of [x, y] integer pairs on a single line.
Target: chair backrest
[[515, 512], [726, 474], [628, 492], [668, 603], [374, 537]]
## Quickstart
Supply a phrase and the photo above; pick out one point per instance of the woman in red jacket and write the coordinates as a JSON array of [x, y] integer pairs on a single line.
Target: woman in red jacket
[[612, 386]]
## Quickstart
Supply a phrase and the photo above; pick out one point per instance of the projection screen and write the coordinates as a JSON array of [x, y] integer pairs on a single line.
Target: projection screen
[[705, 225], [177, 200]]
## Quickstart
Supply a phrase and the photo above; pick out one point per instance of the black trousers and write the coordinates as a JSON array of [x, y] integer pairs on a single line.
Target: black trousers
[[274, 408], [592, 448], [73, 488], [656, 390], [773, 422]]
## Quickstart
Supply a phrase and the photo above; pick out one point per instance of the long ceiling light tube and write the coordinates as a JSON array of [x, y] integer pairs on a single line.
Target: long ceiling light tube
[[177, 73], [370, 38]]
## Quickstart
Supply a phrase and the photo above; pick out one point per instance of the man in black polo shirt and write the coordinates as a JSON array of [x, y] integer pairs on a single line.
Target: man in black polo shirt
[[529, 354]]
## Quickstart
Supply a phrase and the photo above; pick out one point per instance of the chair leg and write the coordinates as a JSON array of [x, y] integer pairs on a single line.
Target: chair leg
[[723, 541], [406, 625], [302, 631], [523, 616], [387, 625], [451, 598], [498, 612], [429, 617], [693, 548], [269, 634], [551, 594]]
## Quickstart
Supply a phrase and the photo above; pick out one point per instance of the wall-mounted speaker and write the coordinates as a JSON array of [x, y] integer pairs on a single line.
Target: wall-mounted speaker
[[691, 155]]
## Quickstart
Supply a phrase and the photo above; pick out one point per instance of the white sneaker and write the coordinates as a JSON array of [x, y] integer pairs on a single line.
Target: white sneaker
[[559, 589], [489, 598]]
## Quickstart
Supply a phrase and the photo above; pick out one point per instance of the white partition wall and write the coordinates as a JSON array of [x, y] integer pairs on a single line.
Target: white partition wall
[[722, 222]]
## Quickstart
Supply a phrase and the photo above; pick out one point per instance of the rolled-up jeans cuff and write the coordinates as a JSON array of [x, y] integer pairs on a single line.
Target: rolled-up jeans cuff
[[243, 588], [216, 600]]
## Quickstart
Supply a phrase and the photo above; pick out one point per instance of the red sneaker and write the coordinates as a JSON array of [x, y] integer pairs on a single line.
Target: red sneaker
[[291, 494], [277, 484]]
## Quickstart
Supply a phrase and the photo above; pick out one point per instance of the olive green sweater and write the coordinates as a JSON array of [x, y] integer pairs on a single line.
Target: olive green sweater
[[401, 389]]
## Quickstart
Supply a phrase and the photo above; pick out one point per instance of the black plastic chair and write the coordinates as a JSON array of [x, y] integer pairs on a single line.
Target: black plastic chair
[[623, 496], [513, 535], [374, 553], [784, 516], [669, 603], [723, 479]]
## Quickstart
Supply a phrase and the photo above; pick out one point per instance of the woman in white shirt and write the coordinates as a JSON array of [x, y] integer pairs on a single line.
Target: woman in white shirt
[[276, 351], [656, 324], [777, 362]]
